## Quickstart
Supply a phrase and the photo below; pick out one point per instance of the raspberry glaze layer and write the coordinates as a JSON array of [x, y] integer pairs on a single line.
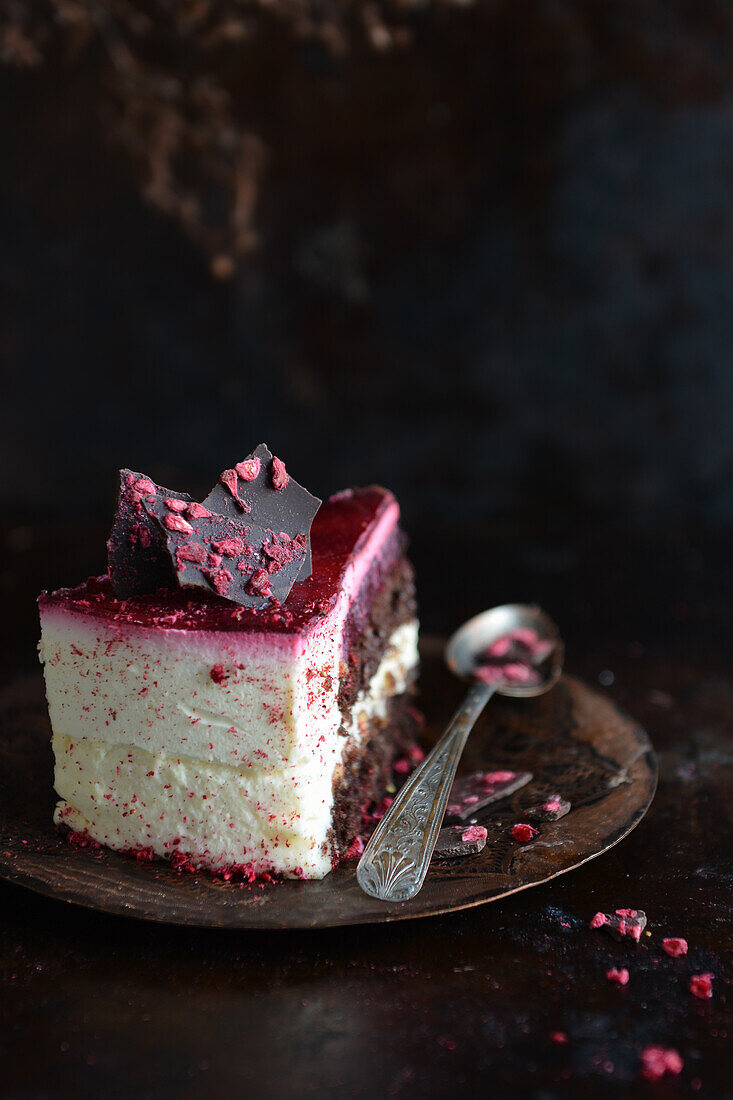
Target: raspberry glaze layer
[[339, 534]]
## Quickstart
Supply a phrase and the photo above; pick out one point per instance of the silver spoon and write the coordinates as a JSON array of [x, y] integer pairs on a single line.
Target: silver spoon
[[396, 859]]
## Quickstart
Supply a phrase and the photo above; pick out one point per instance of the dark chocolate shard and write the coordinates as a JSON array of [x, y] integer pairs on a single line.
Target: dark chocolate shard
[[623, 924], [473, 792], [552, 809], [260, 491], [138, 561], [244, 563], [460, 840], [626, 923]]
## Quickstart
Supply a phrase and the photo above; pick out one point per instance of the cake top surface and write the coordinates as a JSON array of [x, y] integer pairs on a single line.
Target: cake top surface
[[339, 533]]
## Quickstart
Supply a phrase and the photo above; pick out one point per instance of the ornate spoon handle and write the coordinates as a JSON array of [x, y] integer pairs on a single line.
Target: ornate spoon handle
[[396, 859]]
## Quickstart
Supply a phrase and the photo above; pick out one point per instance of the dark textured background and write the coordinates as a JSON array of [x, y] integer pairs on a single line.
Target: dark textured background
[[483, 254], [494, 271]]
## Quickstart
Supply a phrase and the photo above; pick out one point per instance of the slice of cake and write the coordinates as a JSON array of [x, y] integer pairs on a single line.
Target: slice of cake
[[217, 734]]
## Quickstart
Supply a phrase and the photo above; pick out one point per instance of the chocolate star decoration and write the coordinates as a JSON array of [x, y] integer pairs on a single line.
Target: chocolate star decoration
[[250, 552], [259, 490]]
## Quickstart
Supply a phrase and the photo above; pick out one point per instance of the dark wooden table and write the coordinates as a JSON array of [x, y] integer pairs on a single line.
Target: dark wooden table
[[94, 1006]]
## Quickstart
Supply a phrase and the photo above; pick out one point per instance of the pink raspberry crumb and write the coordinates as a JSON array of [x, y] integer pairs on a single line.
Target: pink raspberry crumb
[[177, 523], [621, 977], [355, 849], [473, 832], [197, 511], [500, 647], [701, 986], [249, 469], [559, 1037], [656, 1061], [598, 920], [524, 833], [674, 946], [280, 476]]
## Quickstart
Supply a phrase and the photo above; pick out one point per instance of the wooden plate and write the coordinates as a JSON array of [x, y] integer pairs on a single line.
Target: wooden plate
[[574, 740]]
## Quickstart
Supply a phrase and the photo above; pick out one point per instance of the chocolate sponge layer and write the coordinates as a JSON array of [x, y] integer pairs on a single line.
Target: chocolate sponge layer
[[393, 605], [368, 772]]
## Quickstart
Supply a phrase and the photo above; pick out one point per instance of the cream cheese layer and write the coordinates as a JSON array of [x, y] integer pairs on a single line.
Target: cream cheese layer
[[270, 818]]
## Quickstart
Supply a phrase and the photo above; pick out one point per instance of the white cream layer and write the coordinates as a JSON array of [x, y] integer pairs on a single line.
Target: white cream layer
[[153, 753]]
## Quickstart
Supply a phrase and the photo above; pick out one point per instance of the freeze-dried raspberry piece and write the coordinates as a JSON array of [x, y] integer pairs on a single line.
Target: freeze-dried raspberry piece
[[523, 833], [500, 647], [181, 862], [190, 551], [488, 674], [620, 977], [701, 986], [518, 672], [674, 946], [598, 920], [259, 584], [220, 579], [228, 478], [279, 553], [514, 658], [279, 475], [656, 1061], [230, 548], [177, 523], [355, 849], [460, 840], [194, 510], [218, 674], [174, 505], [249, 469]]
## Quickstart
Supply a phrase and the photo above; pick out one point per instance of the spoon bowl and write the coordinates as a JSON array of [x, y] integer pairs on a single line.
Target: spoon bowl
[[466, 648]]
